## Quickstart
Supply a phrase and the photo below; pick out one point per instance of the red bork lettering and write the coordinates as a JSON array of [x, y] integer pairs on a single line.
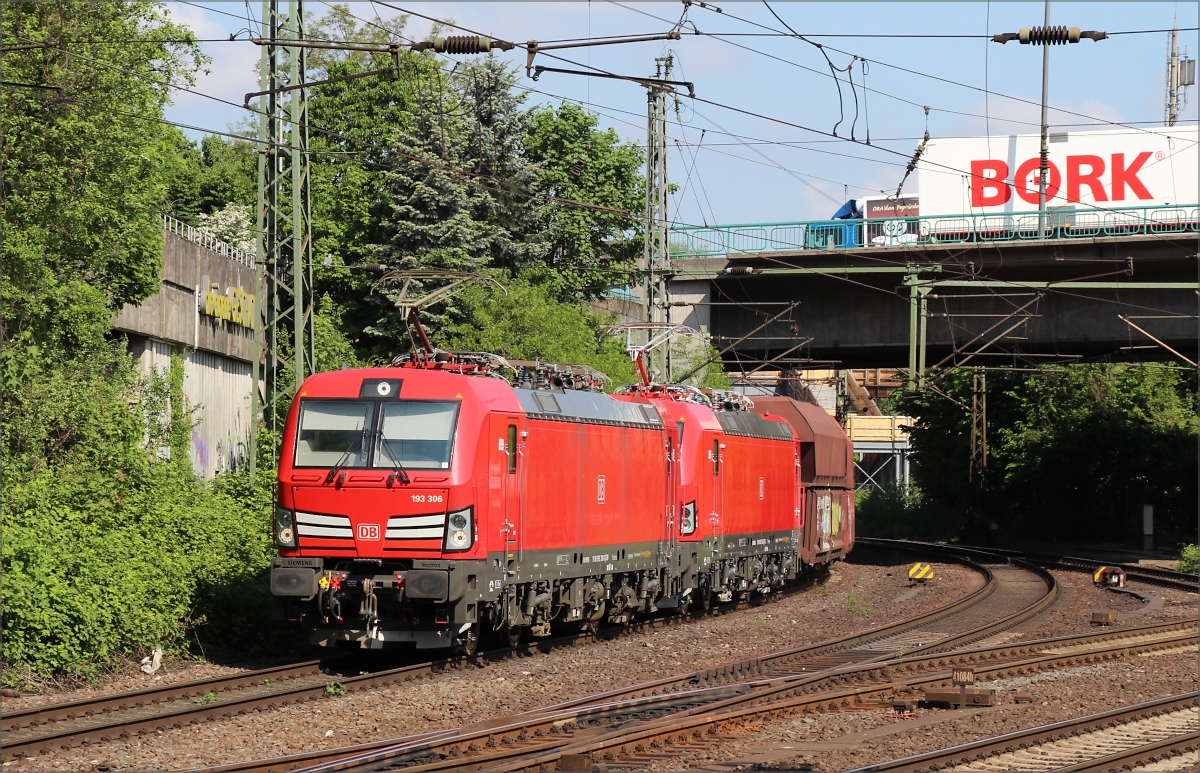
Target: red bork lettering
[[981, 183], [1076, 179], [1123, 175], [1023, 177]]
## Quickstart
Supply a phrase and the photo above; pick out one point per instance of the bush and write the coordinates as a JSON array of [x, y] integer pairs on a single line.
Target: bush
[[109, 550], [896, 512], [1189, 559], [87, 582]]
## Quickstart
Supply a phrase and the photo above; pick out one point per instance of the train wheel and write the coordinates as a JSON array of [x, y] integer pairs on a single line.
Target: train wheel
[[512, 635], [685, 606], [468, 641]]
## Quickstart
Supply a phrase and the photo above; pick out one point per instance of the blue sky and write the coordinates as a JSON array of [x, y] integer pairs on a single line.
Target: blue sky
[[773, 171]]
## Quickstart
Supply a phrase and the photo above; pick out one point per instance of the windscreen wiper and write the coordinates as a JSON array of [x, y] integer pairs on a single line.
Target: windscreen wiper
[[353, 449], [399, 468]]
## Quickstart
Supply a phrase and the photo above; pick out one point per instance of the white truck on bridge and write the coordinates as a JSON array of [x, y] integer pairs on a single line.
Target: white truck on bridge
[[1111, 169]]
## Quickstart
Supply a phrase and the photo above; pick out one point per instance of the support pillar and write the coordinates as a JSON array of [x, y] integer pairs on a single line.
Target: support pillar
[[910, 279]]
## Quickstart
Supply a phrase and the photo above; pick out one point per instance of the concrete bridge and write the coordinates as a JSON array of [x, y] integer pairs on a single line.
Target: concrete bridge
[[1117, 286]]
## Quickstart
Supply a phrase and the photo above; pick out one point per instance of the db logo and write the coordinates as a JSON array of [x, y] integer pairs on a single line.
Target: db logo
[[368, 531]]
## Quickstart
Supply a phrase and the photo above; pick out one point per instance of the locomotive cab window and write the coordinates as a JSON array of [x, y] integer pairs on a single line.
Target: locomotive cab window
[[511, 448], [716, 457], [333, 431], [417, 434]]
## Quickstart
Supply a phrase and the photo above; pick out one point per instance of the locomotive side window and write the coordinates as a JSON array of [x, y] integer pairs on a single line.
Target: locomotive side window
[[716, 457], [416, 433], [511, 448], [332, 429]]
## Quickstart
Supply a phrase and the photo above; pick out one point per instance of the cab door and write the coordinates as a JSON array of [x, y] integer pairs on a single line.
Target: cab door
[[505, 474], [716, 472], [670, 539]]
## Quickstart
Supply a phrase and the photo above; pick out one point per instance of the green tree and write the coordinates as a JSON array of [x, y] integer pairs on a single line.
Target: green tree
[[1072, 450], [84, 177], [355, 124], [108, 549], [528, 323], [590, 249], [227, 174]]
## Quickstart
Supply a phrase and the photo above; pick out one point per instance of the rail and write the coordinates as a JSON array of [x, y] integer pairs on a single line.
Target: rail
[[1060, 225], [1034, 737], [207, 240]]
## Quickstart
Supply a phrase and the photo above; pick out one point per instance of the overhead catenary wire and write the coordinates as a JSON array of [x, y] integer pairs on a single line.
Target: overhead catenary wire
[[770, 162], [836, 80], [255, 140], [951, 169], [1098, 120], [635, 219], [930, 165], [893, 35], [593, 68]]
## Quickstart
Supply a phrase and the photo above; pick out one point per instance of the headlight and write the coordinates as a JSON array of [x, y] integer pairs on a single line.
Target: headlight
[[285, 533], [459, 530], [687, 522]]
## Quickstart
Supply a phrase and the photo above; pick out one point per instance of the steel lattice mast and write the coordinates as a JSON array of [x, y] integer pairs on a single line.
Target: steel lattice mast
[[284, 327], [656, 255]]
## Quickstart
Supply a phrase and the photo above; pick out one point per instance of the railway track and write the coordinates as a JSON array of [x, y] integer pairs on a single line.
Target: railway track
[[1149, 575], [1003, 601], [1121, 739], [1009, 596], [105, 718], [639, 730]]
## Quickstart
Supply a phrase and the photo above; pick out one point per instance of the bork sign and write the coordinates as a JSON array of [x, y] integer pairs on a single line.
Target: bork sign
[[1109, 169]]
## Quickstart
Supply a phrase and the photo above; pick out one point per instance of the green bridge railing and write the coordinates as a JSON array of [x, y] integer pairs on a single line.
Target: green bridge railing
[[1058, 224]]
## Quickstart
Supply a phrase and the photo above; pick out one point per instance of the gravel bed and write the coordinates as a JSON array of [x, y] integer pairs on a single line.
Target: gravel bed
[[843, 741], [1079, 598], [128, 679], [856, 596]]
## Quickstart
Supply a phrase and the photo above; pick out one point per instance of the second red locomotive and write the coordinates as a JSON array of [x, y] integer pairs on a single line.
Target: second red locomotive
[[433, 503]]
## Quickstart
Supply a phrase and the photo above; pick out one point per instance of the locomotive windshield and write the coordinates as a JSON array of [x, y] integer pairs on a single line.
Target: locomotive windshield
[[416, 434], [413, 434], [333, 431]]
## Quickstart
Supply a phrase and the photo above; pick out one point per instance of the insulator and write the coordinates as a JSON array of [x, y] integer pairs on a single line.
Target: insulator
[[468, 44], [1049, 36]]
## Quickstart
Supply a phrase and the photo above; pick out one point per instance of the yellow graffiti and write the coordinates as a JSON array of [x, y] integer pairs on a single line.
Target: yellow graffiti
[[236, 306]]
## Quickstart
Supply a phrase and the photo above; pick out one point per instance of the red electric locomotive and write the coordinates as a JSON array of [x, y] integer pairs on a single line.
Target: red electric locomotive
[[432, 503]]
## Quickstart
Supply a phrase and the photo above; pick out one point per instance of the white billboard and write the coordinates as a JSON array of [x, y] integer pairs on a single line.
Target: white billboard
[[1110, 169]]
